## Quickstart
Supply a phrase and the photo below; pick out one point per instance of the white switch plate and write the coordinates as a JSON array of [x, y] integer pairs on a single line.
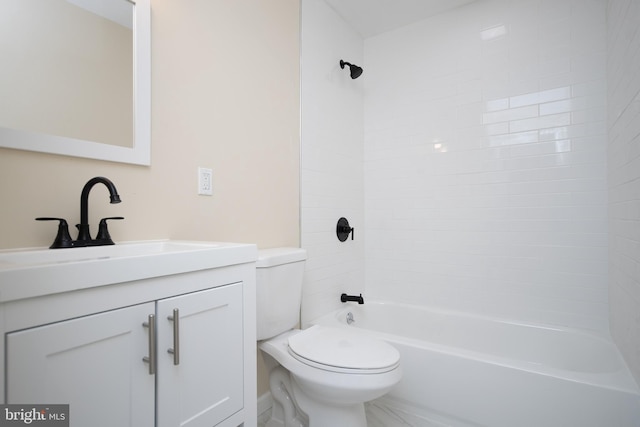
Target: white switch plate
[[205, 181]]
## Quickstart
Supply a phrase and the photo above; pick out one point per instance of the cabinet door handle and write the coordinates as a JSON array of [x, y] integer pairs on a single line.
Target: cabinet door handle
[[151, 359], [175, 318]]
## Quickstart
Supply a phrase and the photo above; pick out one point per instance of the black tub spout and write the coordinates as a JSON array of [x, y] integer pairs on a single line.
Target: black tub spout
[[358, 299]]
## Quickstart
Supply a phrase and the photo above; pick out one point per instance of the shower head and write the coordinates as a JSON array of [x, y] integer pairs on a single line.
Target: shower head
[[354, 69]]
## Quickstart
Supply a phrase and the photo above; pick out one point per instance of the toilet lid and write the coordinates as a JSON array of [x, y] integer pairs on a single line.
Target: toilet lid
[[343, 349]]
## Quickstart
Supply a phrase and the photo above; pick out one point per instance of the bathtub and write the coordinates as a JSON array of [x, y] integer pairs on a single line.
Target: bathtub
[[477, 371]]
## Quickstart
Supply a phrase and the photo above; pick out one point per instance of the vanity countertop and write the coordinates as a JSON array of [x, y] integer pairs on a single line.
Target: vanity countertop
[[27, 273]]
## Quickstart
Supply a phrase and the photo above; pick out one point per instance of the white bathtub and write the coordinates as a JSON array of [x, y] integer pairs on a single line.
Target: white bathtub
[[472, 370]]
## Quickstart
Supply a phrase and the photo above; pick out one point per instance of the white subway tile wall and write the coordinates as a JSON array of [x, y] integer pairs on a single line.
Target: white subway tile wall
[[623, 63], [485, 162], [332, 159]]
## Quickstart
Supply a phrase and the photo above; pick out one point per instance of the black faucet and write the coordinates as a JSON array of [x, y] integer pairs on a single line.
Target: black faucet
[[63, 239], [354, 298], [84, 236]]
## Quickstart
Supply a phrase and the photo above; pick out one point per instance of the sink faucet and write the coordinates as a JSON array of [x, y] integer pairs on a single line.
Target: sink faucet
[[84, 237], [63, 239]]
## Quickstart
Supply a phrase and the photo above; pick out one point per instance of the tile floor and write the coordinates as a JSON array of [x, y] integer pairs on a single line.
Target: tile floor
[[381, 414]]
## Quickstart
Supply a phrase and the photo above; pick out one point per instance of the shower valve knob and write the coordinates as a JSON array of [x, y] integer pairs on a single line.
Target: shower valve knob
[[343, 229]]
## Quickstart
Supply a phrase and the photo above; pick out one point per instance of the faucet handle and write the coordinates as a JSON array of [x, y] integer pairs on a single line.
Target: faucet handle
[[63, 239], [103, 237], [343, 229]]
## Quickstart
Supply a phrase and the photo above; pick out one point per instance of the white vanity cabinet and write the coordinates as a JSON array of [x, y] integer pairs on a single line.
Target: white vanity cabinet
[[165, 351], [91, 363], [200, 383]]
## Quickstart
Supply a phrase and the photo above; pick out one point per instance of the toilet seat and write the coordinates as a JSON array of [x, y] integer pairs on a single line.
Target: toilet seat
[[343, 351]]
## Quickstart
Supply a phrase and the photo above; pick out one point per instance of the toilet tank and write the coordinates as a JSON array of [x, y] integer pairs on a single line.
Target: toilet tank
[[279, 273]]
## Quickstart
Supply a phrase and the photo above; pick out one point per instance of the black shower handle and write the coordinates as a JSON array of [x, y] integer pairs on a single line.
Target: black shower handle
[[343, 229], [346, 229]]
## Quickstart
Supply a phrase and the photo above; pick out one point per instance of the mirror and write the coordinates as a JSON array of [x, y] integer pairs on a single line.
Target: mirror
[[75, 78]]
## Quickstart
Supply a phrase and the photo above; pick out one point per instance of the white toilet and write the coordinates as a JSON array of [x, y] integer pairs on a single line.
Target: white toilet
[[320, 376]]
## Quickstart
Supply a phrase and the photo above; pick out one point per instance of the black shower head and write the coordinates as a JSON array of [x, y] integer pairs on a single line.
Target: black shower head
[[354, 69]]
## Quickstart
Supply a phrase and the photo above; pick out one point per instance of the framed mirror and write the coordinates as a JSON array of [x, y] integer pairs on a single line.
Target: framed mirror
[[75, 78]]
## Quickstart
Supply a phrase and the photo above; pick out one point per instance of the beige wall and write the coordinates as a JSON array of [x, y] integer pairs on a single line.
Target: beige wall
[[225, 95]]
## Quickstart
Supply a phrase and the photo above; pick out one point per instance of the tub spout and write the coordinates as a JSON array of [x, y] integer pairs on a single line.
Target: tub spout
[[358, 299]]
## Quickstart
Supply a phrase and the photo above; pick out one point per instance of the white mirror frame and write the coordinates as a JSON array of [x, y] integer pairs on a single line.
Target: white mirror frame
[[140, 153]]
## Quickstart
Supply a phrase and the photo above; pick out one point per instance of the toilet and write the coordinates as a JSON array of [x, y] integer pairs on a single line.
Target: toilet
[[320, 376]]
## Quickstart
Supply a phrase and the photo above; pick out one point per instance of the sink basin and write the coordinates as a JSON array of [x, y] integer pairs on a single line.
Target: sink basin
[[131, 249], [36, 272]]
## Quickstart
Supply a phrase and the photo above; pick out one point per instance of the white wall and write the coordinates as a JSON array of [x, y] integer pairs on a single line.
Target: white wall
[[332, 159], [485, 162], [624, 176]]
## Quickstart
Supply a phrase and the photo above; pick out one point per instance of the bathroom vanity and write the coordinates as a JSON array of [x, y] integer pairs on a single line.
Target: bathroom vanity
[[140, 334]]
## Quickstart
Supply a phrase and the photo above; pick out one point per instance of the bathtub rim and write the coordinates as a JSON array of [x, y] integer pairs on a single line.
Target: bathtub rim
[[619, 379]]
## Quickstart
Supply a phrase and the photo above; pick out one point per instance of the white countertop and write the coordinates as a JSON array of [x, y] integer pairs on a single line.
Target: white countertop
[[27, 273]]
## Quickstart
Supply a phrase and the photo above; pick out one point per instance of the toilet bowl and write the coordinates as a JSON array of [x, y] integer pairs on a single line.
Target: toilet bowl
[[320, 376], [333, 372]]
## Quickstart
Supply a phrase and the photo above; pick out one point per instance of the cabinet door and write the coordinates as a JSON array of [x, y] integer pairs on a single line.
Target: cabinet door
[[206, 386], [92, 363]]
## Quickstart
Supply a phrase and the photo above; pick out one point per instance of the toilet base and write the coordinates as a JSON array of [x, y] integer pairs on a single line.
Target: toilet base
[[284, 410], [324, 415], [307, 396], [292, 407]]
